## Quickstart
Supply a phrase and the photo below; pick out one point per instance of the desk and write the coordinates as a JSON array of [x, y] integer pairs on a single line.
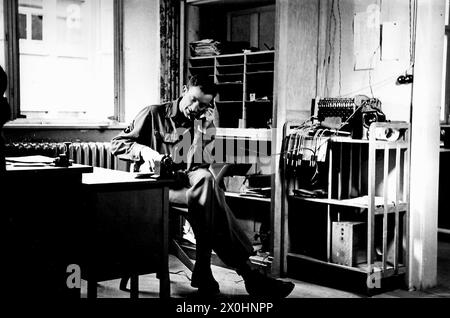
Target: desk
[[444, 186], [39, 229], [127, 228]]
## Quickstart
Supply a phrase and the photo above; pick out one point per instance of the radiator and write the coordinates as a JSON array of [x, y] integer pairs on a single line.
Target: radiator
[[96, 154]]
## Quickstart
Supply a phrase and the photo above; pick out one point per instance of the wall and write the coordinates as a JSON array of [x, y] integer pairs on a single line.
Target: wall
[[339, 77], [141, 54], [49, 134], [297, 57]]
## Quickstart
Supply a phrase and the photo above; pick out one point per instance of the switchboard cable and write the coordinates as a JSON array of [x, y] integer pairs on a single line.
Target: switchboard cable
[[340, 47], [331, 18], [412, 30]]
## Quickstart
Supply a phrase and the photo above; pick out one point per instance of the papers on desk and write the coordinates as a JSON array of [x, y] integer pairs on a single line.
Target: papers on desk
[[29, 161], [144, 175]]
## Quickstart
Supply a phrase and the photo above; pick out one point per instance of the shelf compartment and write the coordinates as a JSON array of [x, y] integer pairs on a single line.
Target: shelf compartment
[[202, 61], [260, 66], [245, 133], [229, 92], [228, 102], [263, 56], [232, 68], [229, 83], [201, 68], [376, 144], [202, 71], [260, 73], [354, 203], [238, 195], [223, 60], [259, 102], [230, 78]]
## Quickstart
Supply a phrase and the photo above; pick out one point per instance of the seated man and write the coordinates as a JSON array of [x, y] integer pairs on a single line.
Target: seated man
[[166, 129]]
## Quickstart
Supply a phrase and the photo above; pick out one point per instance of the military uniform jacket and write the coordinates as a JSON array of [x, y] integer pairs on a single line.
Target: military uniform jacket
[[166, 130]]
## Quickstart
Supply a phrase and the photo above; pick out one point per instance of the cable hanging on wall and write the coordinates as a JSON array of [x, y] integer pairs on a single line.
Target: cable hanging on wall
[[370, 70], [408, 71], [331, 39], [340, 47]]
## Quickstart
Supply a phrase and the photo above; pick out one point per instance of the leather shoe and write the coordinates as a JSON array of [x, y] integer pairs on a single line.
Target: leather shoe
[[203, 279], [258, 284]]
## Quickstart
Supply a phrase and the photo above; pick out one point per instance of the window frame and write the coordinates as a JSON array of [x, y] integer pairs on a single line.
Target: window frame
[[447, 70], [447, 80], [12, 65], [29, 13]]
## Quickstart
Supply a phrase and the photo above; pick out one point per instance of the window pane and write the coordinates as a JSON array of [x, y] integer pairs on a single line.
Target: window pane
[[36, 27], [22, 26], [70, 73]]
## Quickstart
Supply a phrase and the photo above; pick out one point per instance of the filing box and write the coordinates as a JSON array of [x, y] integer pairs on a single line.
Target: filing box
[[348, 243]]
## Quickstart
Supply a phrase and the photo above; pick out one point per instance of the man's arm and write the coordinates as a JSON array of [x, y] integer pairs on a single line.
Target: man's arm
[[209, 135], [135, 142], [200, 153]]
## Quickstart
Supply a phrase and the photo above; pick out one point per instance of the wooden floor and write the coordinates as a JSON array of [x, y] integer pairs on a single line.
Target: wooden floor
[[232, 286]]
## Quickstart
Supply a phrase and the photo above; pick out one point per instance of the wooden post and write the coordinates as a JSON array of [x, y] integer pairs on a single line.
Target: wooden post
[[294, 87], [425, 110]]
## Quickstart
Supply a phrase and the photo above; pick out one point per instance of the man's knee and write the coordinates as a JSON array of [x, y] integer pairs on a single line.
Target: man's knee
[[204, 177], [178, 197], [202, 185]]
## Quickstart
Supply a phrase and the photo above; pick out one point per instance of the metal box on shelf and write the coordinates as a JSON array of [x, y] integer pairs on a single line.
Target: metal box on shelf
[[348, 243]]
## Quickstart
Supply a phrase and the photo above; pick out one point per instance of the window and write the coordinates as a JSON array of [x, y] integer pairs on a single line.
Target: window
[[30, 20], [66, 55]]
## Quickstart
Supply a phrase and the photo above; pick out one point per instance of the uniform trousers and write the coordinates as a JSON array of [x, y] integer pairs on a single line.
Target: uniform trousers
[[214, 224]]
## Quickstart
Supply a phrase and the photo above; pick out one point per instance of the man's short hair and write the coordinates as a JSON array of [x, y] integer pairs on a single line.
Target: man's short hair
[[204, 82]]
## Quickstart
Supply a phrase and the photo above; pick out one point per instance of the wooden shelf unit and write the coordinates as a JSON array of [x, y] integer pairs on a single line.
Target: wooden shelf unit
[[367, 181], [244, 79]]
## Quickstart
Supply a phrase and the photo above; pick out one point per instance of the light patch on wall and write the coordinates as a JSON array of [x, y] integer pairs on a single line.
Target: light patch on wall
[[366, 37], [391, 40]]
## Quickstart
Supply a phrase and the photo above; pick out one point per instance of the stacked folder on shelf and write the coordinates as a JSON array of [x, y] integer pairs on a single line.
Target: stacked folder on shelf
[[206, 47], [257, 192], [305, 193]]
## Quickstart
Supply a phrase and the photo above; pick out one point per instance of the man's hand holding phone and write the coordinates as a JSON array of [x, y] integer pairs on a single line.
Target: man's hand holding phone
[[149, 156]]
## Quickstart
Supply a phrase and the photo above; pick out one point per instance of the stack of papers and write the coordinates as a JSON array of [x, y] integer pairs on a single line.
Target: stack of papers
[[30, 161], [317, 193], [205, 47], [257, 192]]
